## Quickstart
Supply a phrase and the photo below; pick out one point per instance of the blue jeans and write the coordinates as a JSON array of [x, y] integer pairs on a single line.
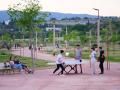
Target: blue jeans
[[18, 66]]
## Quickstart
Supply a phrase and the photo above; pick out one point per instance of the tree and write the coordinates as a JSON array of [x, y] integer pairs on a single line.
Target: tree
[[104, 35], [84, 39], [50, 36], [26, 14], [72, 36], [6, 40]]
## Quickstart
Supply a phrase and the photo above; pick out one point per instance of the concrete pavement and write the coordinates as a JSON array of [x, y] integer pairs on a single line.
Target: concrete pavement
[[45, 80], [39, 54]]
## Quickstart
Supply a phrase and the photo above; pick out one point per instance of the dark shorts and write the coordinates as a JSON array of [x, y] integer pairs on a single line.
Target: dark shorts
[[80, 60]]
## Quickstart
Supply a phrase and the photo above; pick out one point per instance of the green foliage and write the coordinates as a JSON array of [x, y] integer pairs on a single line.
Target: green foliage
[[37, 29], [72, 36], [50, 36], [27, 14], [38, 63], [84, 39], [4, 55], [114, 38], [110, 36], [79, 27], [114, 58], [104, 34], [4, 52], [85, 54], [6, 41], [7, 37]]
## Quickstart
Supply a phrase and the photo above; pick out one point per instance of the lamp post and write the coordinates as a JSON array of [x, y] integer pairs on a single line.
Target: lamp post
[[98, 28], [90, 34]]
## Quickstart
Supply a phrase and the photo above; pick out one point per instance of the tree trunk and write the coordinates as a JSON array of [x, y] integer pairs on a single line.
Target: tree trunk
[[32, 51]]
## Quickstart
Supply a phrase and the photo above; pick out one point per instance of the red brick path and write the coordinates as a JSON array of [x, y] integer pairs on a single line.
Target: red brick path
[[45, 80]]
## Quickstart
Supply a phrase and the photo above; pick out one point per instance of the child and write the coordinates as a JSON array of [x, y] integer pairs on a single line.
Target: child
[[59, 62]]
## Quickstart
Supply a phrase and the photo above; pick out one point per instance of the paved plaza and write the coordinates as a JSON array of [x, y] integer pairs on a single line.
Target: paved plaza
[[44, 79]]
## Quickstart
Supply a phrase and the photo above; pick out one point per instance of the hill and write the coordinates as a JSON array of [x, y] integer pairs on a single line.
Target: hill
[[4, 16]]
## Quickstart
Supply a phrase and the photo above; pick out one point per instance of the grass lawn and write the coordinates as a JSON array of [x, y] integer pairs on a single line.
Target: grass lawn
[[114, 58], [26, 60], [86, 55]]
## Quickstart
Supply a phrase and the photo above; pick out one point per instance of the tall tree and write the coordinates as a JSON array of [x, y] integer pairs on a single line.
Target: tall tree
[[27, 14]]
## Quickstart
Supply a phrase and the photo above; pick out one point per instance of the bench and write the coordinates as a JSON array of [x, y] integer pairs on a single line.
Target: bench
[[7, 70]]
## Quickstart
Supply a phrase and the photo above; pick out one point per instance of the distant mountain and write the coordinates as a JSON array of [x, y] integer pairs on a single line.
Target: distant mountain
[[59, 16], [4, 16]]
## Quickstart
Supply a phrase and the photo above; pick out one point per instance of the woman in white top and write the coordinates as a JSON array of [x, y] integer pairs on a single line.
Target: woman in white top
[[93, 59]]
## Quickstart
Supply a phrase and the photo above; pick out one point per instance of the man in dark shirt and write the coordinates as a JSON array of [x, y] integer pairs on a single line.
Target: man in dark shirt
[[101, 60]]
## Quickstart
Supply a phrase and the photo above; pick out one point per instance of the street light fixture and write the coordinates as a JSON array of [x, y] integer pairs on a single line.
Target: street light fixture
[[98, 28]]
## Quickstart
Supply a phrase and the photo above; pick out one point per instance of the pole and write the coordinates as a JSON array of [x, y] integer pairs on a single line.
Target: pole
[[98, 28], [36, 45], [59, 38], [107, 52], [36, 39], [54, 34], [90, 38], [66, 35], [23, 41]]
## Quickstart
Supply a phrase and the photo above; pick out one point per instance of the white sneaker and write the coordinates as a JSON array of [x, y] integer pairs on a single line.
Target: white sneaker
[[62, 75]]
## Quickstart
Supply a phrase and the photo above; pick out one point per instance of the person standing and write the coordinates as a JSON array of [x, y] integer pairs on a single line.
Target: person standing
[[59, 62], [101, 60], [78, 56], [93, 60]]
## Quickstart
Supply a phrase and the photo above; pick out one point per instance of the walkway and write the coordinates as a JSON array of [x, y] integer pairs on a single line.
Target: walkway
[[45, 80], [40, 55]]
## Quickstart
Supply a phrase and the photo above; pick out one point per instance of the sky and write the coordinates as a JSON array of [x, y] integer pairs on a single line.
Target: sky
[[106, 7]]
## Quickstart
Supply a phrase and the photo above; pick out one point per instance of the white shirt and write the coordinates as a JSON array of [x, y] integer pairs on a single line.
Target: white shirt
[[59, 59], [93, 55], [11, 62]]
